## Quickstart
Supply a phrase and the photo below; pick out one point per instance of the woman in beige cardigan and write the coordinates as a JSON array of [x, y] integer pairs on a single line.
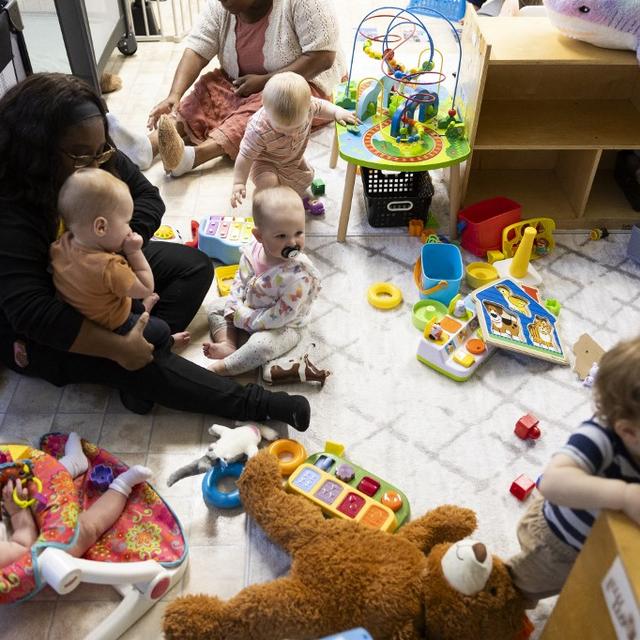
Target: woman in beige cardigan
[[253, 39]]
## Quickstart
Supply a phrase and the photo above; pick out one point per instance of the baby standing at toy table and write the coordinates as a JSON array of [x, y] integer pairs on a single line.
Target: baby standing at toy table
[[598, 468], [276, 137], [93, 522], [272, 292], [98, 264]]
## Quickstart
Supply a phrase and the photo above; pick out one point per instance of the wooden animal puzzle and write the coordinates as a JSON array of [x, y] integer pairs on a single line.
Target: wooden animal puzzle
[[512, 317], [345, 490]]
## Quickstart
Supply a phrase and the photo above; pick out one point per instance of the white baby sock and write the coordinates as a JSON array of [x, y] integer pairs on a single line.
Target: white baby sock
[[74, 459], [136, 146], [130, 478], [186, 164]]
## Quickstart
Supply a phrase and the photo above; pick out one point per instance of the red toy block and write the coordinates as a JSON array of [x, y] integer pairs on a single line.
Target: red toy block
[[522, 486], [527, 427]]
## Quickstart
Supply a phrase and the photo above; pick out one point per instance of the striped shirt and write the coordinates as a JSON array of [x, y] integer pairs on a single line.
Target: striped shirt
[[600, 452]]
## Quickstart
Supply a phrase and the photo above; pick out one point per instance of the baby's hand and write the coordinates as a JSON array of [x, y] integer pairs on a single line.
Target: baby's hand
[[7, 496], [632, 501], [344, 117], [132, 243], [238, 194]]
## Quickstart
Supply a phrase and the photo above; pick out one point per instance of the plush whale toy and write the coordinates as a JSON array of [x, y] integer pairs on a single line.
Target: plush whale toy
[[612, 24]]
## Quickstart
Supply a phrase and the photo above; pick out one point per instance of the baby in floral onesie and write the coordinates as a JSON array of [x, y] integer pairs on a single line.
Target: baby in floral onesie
[[272, 293], [276, 137]]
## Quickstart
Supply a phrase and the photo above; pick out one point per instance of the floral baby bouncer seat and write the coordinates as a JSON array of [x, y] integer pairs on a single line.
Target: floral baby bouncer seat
[[142, 556]]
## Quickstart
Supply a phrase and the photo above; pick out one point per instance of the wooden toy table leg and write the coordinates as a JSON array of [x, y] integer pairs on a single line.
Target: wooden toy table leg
[[347, 197], [454, 199], [333, 159]]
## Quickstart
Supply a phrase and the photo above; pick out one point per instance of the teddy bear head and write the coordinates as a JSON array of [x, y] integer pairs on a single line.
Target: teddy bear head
[[469, 594]]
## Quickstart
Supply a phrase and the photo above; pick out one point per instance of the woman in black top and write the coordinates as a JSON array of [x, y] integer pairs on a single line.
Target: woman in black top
[[50, 125]]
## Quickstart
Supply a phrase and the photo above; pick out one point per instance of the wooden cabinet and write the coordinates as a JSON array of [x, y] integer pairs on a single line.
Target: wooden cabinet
[[551, 113]]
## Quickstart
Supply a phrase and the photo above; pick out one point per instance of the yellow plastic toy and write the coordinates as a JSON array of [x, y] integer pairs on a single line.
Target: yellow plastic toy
[[167, 233], [224, 278], [518, 268], [384, 295], [290, 453], [543, 242]]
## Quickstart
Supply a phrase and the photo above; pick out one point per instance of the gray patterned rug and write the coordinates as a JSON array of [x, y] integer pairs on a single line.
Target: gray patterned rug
[[438, 440]]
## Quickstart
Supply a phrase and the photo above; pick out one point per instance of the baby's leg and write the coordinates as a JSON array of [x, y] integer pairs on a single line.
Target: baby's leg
[[225, 342], [261, 347], [74, 460], [264, 177], [223, 333], [104, 512]]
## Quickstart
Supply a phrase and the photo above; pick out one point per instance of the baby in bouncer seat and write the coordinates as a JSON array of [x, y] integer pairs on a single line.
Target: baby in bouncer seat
[[93, 522]]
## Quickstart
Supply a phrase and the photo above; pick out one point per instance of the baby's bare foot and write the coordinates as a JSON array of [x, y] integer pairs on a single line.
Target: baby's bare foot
[[217, 351], [181, 339], [150, 301]]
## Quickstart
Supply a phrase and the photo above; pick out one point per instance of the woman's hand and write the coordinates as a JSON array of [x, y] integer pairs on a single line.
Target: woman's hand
[[168, 105], [238, 194], [344, 117], [136, 352], [250, 84]]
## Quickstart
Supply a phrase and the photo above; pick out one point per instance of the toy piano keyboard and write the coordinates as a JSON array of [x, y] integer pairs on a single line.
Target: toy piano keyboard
[[452, 345], [222, 237], [344, 490]]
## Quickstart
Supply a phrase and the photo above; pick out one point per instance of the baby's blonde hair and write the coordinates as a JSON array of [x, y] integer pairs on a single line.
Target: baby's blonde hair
[[89, 193], [617, 384], [268, 202], [287, 97]]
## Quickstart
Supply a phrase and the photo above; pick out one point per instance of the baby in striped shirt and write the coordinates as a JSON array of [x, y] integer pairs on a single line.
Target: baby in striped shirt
[[273, 146], [598, 468]]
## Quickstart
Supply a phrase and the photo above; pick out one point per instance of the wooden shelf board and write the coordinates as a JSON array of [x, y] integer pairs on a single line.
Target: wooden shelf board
[[558, 124], [536, 41], [607, 204], [539, 192]]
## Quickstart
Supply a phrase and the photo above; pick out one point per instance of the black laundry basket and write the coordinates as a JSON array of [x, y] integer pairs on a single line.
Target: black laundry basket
[[393, 198]]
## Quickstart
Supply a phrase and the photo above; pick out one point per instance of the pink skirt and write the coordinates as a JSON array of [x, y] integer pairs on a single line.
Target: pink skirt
[[213, 111]]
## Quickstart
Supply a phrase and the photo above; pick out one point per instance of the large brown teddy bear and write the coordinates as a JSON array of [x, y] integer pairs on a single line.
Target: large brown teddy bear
[[345, 575]]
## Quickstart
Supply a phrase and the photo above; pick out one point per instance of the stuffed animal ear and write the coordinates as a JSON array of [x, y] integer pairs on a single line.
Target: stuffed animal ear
[[447, 523], [268, 433]]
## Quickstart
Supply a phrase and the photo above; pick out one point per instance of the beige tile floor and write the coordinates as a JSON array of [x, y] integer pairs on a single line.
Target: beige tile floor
[[163, 440]]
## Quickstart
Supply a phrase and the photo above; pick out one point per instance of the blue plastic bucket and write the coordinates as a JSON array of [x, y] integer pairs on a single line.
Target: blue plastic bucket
[[439, 271]]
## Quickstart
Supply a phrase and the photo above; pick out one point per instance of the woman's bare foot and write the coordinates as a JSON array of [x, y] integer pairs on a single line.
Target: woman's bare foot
[[181, 339], [218, 350], [150, 301]]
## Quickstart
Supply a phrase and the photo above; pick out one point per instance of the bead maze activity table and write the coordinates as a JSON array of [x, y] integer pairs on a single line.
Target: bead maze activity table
[[409, 122]]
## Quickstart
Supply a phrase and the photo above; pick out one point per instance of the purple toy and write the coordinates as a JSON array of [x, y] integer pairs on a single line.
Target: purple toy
[[101, 477], [313, 207], [345, 473]]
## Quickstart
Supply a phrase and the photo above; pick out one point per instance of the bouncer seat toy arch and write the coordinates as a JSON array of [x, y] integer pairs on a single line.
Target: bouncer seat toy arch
[[142, 556]]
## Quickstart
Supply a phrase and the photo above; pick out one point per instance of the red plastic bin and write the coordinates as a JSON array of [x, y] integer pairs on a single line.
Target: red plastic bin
[[484, 222]]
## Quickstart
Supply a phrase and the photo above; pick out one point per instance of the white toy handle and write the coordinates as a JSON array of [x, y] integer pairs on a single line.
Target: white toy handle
[[64, 572]]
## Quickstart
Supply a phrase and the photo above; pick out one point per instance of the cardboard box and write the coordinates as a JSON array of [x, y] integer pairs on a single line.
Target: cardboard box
[[582, 611]]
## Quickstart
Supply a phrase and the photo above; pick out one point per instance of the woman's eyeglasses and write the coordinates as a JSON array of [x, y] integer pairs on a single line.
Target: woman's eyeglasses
[[81, 162]]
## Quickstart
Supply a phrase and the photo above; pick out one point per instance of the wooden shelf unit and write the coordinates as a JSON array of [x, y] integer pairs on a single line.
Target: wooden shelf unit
[[551, 113]]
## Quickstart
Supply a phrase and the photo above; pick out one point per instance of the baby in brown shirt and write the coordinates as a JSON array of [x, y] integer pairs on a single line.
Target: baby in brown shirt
[[98, 264]]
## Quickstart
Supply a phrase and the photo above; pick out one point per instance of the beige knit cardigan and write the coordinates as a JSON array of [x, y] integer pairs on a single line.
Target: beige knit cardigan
[[295, 27]]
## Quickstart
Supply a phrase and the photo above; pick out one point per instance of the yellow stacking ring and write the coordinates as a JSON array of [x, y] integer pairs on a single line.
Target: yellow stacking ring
[[23, 504], [290, 453], [384, 295]]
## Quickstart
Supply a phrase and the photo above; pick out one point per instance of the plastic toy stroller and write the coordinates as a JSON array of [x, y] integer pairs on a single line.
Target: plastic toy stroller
[[142, 556]]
